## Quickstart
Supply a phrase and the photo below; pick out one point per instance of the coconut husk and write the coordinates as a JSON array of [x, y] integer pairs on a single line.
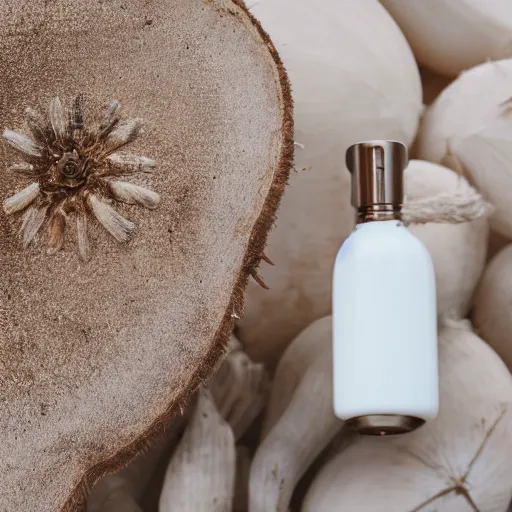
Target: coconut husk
[[103, 341]]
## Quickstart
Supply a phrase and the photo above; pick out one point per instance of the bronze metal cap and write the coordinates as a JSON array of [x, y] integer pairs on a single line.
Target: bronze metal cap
[[384, 424], [377, 168]]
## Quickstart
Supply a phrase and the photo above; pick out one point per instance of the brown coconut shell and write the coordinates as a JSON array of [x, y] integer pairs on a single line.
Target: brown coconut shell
[[96, 357]]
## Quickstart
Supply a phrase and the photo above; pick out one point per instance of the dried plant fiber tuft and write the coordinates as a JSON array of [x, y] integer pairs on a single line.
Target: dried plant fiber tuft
[[457, 240], [469, 128], [99, 352]]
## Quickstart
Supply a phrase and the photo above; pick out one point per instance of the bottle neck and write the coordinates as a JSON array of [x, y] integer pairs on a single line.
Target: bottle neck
[[378, 212]]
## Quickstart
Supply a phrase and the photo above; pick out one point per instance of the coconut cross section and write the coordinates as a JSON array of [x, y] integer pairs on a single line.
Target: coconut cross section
[[127, 234]]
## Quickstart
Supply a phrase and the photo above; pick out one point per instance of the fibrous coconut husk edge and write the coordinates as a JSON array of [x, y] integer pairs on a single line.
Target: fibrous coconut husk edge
[[252, 259]]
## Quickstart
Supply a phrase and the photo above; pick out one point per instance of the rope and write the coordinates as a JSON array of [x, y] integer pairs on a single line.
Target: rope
[[446, 208]]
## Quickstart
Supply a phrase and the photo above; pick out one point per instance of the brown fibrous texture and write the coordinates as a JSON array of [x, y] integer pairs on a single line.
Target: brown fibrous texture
[[76, 169], [254, 255], [96, 359]]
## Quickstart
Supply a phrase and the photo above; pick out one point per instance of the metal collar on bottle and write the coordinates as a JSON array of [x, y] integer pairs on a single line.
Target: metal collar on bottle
[[377, 168]]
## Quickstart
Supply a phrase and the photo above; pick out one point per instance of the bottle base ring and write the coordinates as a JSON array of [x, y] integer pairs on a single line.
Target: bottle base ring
[[384, 424]]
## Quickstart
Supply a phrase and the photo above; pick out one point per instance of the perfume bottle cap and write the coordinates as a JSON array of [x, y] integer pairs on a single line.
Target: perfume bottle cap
[[377, 168]]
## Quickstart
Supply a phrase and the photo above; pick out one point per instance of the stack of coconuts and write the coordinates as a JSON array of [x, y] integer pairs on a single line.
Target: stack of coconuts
[[261, 435]]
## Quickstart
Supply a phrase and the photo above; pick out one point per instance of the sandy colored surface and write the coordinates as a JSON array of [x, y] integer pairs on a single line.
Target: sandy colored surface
[[95, 356]]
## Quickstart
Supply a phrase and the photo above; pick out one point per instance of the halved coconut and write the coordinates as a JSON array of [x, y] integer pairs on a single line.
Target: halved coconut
[[117, 299]]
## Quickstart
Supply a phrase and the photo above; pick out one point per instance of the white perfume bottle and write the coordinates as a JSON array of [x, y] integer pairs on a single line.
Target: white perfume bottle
[[384, 304]]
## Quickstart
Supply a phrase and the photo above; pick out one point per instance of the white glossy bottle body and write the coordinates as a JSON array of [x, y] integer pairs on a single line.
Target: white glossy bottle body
[[385, 325]]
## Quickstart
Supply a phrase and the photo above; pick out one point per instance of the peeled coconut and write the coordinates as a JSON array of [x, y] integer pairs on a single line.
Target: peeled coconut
[[299, 420], [139, 227], [239, 389], [491, 312], [300, 354], [469, 128], [458, 251], [353, 78], [449, 36], [459, 462], [201, 474]]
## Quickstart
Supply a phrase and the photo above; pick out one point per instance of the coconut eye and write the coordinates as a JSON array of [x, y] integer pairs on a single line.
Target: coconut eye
[[69, 167]]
